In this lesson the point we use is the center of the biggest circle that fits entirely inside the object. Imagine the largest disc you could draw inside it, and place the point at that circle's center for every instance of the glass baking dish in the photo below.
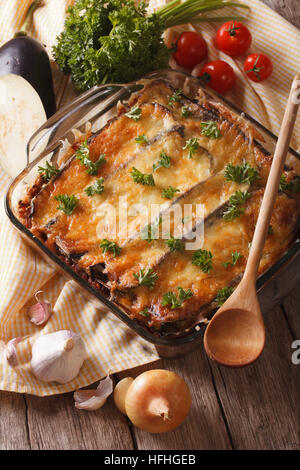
(92, 110)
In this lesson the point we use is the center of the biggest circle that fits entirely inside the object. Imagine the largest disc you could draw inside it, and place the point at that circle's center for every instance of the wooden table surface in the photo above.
(253, 408)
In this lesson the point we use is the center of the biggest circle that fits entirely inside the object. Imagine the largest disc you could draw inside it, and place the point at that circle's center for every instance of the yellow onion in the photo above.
(120, 393)
(157, 401)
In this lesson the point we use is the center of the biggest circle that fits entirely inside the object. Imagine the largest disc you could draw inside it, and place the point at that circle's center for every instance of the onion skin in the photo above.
(154, 391)
(120, 393)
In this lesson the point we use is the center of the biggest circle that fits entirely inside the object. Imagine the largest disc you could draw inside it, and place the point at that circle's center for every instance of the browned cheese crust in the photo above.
(200, 180)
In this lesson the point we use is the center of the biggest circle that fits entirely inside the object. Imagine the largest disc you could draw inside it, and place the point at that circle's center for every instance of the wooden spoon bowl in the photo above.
(237, 338)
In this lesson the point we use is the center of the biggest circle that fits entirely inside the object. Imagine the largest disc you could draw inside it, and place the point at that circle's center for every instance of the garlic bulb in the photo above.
(58, 357)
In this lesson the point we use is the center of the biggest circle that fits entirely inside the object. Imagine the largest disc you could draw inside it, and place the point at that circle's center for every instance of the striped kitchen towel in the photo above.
(111, 345)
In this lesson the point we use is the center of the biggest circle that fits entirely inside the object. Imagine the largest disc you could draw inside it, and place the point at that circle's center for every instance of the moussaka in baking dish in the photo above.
(123, 209)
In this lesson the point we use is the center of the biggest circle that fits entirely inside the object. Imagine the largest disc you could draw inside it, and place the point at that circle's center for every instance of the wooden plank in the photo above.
(291, 307)
(259, 402)
(289, 9)
(13, 423)
(204, 427)
(55, 424)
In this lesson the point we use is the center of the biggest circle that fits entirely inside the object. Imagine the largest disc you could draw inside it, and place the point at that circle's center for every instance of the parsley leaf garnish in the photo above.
(270, 230)
(176, 97)
(67, 203)
(93, 167)
(142, 178)
(185, 111)
(292, 186)
(170, 298)
(145, 312)
(234, 209)
(83, 151)
(203, 259)
(235, 256)
(96, 188)
(210, 129)
(175, 244)
(48, 172)
(83, 155)
(223, 295)
(232, 212)
(149, 233)
(135, 113)
(107, 245)
(169, 192)
(164, 161)
(146, 278)
(184, 294)
(141, 139)
(191, 145)
(241, 173)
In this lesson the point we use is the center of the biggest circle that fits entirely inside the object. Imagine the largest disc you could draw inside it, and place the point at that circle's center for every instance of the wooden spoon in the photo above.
(235, 336)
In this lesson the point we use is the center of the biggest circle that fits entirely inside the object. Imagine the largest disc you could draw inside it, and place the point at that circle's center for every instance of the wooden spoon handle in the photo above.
(271, 190)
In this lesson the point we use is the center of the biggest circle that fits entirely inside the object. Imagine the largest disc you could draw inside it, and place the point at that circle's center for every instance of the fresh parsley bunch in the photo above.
(116, 41)
(109, 41)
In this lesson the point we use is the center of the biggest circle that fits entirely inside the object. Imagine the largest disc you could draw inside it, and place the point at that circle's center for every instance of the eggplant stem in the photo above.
(28, 18)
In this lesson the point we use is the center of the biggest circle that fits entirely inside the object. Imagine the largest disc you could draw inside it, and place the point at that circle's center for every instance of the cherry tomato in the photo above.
(218, 75)
(233, 38)
(258, 67)
(191, 49)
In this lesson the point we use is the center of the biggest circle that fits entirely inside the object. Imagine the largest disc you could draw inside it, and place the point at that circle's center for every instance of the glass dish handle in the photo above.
(69, 117)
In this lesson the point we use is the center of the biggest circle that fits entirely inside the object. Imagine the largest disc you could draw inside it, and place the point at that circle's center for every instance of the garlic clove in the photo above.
(83, 395)
(39, 313)
(11, 352)
(105, 387)
(94, 399)
(92, 404)
(58, 357)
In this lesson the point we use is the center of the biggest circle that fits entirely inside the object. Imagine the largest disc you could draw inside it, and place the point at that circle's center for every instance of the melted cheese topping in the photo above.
(199, 180)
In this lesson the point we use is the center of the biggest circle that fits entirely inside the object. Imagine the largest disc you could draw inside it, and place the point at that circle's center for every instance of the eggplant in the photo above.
(21, 114)
(28, 58)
